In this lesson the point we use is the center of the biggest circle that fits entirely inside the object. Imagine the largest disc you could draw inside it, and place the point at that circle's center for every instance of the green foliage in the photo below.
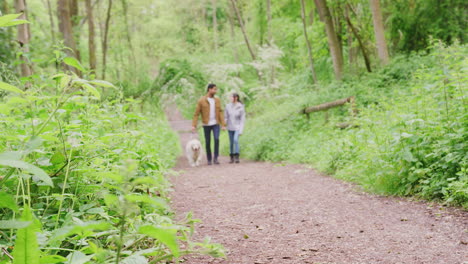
(411, 135)
(412, 25)
(94, 173)
(26, 247)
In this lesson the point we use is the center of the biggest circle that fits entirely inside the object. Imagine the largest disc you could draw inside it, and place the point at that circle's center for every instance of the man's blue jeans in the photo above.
(234, 142)
(207, 131)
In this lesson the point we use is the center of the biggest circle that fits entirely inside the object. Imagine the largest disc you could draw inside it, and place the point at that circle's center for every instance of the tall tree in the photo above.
(215, 24)
(91, 36)
(349, 36)
(333, 42)
(5, 7)
(365, 54)
(127, 28)
(65, 27)
(233, 37)
(51, 21)
(309, 48)
(105, 39)
(268, 11)
(244, 32)
(74, 16)
(24, 35)
(379, 31)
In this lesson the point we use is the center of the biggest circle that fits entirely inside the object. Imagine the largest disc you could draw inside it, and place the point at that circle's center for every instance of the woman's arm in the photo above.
(241, 129)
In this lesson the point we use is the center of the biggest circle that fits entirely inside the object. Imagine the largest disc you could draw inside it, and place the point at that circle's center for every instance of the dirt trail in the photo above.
(275, 213)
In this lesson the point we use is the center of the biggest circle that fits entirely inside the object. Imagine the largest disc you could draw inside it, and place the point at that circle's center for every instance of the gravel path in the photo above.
(274, 213)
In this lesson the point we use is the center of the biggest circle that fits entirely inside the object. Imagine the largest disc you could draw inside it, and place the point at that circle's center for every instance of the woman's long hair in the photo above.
(236, 95)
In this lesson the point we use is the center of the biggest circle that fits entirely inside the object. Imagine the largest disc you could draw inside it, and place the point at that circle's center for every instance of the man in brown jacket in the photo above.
(212, 114)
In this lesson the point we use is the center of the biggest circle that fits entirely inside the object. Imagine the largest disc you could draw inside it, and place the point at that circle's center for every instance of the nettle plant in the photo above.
(83, 180)
(89, 178)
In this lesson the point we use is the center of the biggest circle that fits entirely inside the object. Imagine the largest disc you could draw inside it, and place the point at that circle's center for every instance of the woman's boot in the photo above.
(232, 158)
(237, 158)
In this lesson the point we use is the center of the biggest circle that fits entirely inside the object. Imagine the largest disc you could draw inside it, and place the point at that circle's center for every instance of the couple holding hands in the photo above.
(213, 119)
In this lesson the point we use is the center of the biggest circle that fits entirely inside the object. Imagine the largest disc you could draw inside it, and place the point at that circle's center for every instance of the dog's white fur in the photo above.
(193, 151)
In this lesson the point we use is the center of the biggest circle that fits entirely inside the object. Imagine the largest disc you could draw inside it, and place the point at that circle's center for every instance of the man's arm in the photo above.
(221, 113)
(195, 116)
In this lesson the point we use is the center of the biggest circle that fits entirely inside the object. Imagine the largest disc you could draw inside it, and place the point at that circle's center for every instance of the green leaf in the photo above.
(160, 203)
(10, 160)
(7, 18)
(92, 90)
(74, 63)
(11, 20)
(102, 83)
(164, 235)
(26, 249)
(10, 88)
(53, 259)
(7, 201)
(78, 257)
(58, 158)
(14, 224)
(15, 23)
(135, 259)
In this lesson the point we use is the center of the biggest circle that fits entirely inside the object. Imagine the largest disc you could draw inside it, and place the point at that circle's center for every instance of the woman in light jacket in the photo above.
(235, 118)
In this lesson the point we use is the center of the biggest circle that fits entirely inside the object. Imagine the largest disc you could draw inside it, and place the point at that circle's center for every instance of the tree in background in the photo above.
(215, 24)
(413, 23)
(333, 42)
(309, 48)
(105, 39)
(91, 36)
(379, 31)
(66, 29)
(354, 30)
(24, 35)
(244, 32)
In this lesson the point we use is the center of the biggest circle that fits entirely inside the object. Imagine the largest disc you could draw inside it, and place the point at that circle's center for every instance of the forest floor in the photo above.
(283, 213)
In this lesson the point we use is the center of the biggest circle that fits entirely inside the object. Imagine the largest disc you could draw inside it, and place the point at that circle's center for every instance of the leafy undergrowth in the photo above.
(409, 138)
(83, 179)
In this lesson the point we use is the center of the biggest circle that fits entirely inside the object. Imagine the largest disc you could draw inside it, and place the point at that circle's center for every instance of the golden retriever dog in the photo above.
(193, 151)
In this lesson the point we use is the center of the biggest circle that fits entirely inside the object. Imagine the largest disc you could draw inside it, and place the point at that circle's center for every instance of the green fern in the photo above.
(26, 249)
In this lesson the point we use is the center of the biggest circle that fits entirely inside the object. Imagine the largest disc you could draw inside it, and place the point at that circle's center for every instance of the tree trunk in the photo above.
(74, 15)
(129, 38)
(379, 31)
(5, 8)
(241, 23)
(333, 42)
(104, 41)
(24, 35)
(215, 25)
(51, 21)
(65, 27)
(269, 33)
(91, 36)
(235, 52)
(309, 48)
(361, 44)
(326, 106)
(338, 26)
(349, 33)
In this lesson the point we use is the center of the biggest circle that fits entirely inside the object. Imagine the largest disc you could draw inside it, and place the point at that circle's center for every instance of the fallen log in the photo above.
(326, 106)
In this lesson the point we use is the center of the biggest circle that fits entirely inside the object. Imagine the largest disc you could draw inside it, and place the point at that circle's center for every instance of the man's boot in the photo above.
(215, 161)
(237, 158)
(232, 158)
